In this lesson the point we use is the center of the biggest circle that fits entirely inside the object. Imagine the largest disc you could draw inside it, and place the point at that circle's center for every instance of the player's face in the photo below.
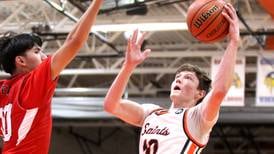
(184, 88)
(33, 57)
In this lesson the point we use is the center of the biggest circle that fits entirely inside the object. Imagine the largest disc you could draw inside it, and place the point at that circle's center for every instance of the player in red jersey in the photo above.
(184, 128)
(25, 98)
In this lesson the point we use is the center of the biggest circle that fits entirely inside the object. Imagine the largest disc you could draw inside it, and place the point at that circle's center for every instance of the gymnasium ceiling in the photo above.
(95, 67)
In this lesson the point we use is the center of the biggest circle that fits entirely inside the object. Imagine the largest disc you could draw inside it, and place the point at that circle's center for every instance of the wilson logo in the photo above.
(201, 19)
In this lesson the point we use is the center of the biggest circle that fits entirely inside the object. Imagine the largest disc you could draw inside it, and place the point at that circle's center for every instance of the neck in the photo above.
(19, 71)
(182, 104)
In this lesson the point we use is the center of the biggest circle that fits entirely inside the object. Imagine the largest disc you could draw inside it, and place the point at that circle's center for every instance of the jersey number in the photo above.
(150, 147)
(5, 115)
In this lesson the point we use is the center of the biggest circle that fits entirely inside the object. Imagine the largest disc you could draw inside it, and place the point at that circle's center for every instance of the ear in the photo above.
(200, 94)
(20, 60)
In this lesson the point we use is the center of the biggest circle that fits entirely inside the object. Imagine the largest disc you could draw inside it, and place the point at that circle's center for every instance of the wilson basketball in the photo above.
(205, 20)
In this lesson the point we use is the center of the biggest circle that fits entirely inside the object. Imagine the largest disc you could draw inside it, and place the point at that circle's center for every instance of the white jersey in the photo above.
(166, 132)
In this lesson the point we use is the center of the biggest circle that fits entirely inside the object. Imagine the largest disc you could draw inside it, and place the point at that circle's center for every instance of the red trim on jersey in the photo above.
(161, 112)
(159, 109)
(192, 149)
(188, 133)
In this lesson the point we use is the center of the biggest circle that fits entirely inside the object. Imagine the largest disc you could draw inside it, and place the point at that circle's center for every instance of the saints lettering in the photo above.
(155, 130)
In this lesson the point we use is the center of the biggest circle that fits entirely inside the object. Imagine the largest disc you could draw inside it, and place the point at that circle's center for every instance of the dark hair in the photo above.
(12, 45)
(204, 80)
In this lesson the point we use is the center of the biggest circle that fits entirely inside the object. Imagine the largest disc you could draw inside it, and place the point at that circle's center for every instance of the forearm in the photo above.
(224, 76)
(75, 40)
(221, 83)
(83, 25)
(82, 29)
(117, 89)
(225, 73)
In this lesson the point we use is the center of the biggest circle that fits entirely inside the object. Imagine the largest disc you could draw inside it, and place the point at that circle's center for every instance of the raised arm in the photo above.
(75, 40)
(127, 110)
(224, 76)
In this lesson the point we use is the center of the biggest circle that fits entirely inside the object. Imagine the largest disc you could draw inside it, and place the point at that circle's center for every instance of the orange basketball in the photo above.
(205, 20)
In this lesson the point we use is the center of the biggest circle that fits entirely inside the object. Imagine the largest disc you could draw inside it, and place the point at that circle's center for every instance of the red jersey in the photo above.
(25, 111)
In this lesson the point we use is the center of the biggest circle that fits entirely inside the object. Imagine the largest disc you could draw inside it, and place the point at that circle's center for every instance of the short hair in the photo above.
(204, 80)
(12, 45)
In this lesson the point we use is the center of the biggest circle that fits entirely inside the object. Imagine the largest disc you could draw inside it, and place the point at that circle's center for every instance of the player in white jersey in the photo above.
(185, 127)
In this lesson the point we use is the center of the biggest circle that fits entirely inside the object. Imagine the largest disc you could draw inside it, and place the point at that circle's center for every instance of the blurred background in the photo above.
(246, 122)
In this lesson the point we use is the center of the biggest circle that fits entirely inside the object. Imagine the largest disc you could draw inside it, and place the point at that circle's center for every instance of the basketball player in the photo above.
(25, 98)
(184, 128)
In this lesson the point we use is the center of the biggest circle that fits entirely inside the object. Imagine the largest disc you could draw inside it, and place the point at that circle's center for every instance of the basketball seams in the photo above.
(206, 22)
(207, 27)
(209, 23)
(218, 36)
(193, 17)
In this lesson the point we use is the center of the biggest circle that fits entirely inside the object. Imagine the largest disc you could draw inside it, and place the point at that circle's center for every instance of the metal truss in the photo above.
(98, 60)
(241, 139)
(225, 138)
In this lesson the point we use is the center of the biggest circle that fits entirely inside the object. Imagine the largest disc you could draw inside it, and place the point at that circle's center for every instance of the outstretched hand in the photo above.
(134, 55)
(231, 16)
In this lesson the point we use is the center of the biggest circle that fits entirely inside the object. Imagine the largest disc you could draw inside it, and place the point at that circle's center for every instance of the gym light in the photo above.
(141, 26)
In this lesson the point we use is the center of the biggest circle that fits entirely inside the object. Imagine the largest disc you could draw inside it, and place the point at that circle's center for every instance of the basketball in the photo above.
(206, 22)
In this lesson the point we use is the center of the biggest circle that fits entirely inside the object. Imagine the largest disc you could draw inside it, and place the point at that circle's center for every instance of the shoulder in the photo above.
(45, 63)
(150, 108)
(42, 69)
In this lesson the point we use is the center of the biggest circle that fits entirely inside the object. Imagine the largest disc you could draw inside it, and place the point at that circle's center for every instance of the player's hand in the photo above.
(134, 55)
(231, 16)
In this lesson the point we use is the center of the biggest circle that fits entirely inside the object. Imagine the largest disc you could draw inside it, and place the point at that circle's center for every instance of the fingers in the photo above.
(134, 42)
(141, 39)
(146, 53)
(129, 45)
(231, 16)
(137, 39)
(230, 11)
(135, 35)
(227, 17)
(230, 8)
